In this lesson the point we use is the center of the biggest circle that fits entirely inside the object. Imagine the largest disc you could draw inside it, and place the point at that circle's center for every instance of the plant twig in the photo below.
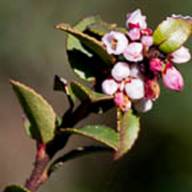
(38, 175)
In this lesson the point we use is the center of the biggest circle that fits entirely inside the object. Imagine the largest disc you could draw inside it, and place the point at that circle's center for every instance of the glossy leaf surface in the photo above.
(99, 133)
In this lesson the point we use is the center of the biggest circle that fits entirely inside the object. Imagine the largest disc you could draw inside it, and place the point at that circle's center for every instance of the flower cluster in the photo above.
(139, 66)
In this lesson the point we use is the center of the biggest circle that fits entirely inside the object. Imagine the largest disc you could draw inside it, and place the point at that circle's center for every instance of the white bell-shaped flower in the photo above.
(181, 55)
(136, 19)
(135, 89)
(134, 52)
(109, 86)
(115, 42)
(120, 71)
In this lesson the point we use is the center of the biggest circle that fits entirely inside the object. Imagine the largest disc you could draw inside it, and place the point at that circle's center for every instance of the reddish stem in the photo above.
(38, 175)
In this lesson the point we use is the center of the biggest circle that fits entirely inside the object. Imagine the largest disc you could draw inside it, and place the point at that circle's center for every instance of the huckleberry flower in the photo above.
(136, 19)
(172, 79)
(181, 55)
(141, 62)
(156, 65)
(109, 86)
(120, 71)
(115, 42)
(134, 52)
(134, 34)
(147, 41)
(143, 105)
(135, 89)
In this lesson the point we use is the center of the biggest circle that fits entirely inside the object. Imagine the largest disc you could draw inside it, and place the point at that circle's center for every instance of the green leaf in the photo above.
(100, 133)
(93, 44)
(79, 58)
(128, 128)
(85, 93)
(100, 28)
(172, 33)
(15, 188)
(40, 114)
(85, 53)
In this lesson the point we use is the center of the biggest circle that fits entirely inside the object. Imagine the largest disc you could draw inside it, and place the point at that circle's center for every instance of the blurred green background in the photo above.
(31, 51)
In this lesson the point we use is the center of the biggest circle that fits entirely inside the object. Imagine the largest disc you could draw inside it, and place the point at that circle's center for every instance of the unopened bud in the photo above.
(172, 79)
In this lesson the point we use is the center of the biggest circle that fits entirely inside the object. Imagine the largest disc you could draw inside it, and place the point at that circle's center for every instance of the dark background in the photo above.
(32, 51)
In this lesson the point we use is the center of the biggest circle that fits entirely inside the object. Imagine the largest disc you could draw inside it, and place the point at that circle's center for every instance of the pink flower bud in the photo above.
(120, 71)
(115, 42)
(122, 101)
(134, 34)
(172, 79)
(143, 105)
(147, 41)
(135, 89)
(134, 52)
(136, 18)
(181, 55)
(109, 86)
(156, 65)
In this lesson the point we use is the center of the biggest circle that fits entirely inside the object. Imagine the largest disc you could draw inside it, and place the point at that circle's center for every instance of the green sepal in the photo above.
(15, 188)
(39, 112)
(99, 133)
(172, 33)
(128, 128)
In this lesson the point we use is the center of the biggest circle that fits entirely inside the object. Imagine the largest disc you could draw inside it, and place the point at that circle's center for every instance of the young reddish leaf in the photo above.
(128, 129)
(100, 133)
(40, 114)
(15, 188)
(172, 33)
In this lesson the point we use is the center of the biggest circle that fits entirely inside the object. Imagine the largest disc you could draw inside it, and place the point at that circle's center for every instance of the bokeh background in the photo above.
(32, 51)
